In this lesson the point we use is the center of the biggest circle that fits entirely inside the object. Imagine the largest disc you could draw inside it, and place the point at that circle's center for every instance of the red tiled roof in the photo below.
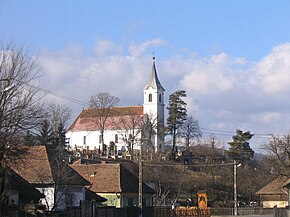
(110, 178)
(274, 187)
(33, 165)
(104, 177)
(85, 120)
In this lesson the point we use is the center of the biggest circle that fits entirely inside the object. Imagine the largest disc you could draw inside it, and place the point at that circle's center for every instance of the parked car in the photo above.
(253, 203)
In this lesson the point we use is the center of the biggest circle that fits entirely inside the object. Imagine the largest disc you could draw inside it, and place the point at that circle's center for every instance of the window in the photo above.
(116, 138)
(85, 138)
(150, 97)
(160, 98)
(100, 139)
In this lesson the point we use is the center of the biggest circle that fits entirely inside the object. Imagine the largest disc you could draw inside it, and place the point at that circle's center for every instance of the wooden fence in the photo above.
(280, 212)
(89, 210)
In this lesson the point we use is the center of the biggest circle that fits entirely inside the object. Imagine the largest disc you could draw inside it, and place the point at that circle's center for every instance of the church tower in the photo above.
(154, 107)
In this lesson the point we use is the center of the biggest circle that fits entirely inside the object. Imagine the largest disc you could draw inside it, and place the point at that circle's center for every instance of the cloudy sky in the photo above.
(232, 57)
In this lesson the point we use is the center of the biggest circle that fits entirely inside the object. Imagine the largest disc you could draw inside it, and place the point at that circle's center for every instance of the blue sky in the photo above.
(232, 57)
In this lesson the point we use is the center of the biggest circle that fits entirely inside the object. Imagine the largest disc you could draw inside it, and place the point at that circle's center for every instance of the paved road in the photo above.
(269, 215)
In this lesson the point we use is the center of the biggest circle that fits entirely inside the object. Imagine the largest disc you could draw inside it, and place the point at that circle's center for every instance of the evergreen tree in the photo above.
(240, 148)
(45, 133)
(176, 115)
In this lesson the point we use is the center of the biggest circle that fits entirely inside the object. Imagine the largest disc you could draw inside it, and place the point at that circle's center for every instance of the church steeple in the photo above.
(153, 80)
(153, 106)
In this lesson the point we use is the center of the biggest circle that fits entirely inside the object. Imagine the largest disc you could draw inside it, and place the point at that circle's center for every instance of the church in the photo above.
(125, 127)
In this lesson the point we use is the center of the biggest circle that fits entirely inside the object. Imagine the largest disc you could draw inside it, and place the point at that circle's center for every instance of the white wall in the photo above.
(48, 201)
(278, 204)
(92, 139)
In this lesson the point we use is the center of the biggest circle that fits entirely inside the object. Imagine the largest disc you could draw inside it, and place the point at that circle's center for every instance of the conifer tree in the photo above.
(176, 115)
(240, 148)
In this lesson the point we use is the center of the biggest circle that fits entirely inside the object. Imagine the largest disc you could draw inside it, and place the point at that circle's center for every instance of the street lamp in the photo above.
(235, 188)
(140, 195)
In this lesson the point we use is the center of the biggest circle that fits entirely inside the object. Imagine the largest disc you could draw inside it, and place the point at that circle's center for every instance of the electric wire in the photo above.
(204, 130)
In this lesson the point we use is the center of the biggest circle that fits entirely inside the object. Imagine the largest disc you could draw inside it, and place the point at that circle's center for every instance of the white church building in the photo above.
(124, 125)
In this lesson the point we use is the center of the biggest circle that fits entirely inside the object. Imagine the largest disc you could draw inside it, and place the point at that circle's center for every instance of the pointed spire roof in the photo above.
(153, 80)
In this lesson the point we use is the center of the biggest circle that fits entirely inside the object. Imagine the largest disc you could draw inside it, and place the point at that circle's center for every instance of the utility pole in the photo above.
(235, 189)
(140, 196)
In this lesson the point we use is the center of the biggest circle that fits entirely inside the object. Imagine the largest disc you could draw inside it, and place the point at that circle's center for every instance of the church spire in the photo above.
(153, 80)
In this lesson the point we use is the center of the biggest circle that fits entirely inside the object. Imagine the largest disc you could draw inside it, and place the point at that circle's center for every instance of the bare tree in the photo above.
(103, 104)
(190, 130)
(279, 150)
(20, 109)
(149, 130)
(129, 126)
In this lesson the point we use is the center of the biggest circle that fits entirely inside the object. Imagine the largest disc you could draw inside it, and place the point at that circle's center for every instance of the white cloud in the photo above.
(224, 92)
(267, 117)
(106, 47)
(273, 71)
(139, 49)
(208, 76)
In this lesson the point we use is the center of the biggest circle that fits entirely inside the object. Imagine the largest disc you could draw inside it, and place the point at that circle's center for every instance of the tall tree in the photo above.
(129, 126)
(190, 130)
(45, 136)
(103, 104)
(176, 114)
(20, 108)
(240, 147)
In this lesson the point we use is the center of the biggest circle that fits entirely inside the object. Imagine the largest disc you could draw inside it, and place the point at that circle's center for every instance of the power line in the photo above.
(203, 129)
(70, 99)
(229, 133)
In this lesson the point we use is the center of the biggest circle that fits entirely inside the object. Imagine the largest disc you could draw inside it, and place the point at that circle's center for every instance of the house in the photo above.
(84, 135)
(116, 183)
(62, 186)
(186, 157)
(20, 193)
(273, 194)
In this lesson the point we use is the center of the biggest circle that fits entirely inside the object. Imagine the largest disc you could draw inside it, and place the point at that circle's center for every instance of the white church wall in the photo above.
(90, 139)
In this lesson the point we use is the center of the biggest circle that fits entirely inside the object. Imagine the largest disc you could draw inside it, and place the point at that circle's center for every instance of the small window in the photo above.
(160, 98)
(150, 97)
(100, 139)
(116, 138)
(85, 138)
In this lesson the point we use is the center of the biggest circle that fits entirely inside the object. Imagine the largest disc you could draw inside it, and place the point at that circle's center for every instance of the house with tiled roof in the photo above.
(273, 194)
(61, 185)
(122, 125)
(114, 182)
(19, 194)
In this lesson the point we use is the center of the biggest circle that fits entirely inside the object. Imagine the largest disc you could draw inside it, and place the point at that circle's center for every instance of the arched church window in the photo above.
(116, 138)
(100, 139)
(160, 98)
(150, 97)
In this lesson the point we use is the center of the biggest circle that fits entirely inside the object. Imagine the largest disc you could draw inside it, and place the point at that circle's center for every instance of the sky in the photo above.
(231, 57)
